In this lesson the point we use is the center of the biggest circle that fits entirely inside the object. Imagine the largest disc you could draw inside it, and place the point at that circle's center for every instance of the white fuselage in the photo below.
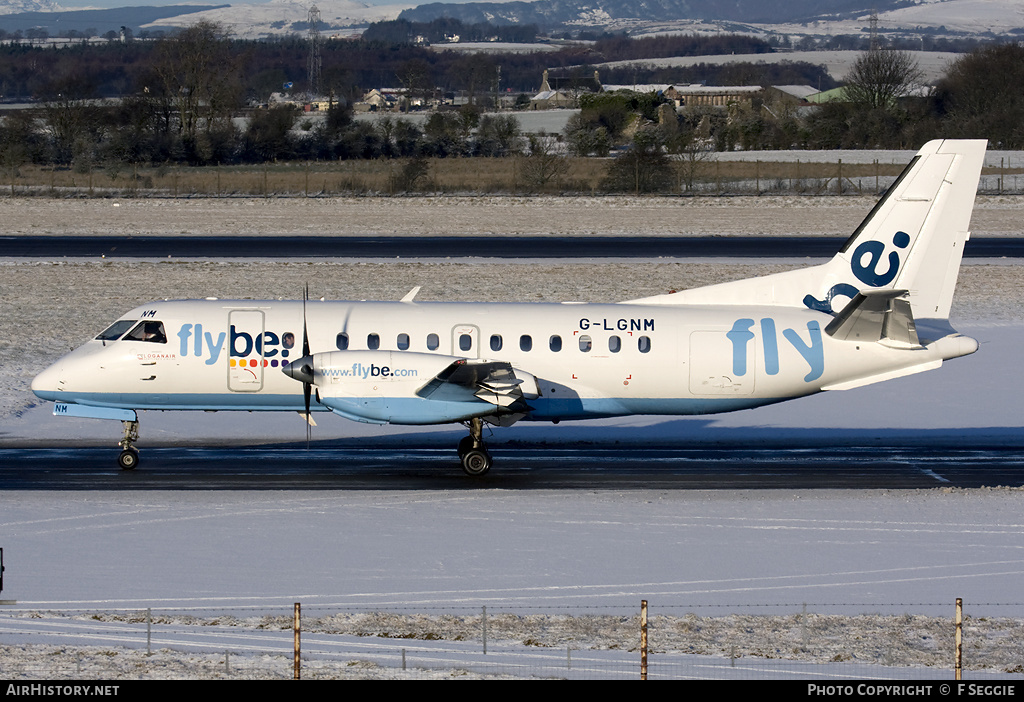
(579, 360)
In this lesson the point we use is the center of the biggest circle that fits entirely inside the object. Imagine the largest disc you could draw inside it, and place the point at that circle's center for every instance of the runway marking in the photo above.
(933, 474)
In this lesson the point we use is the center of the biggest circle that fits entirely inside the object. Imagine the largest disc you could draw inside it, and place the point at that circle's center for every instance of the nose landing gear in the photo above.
(476, 461)
(129, 458)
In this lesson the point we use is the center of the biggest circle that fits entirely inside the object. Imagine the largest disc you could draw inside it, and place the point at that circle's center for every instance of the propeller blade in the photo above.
(305, 395)
(307, 383)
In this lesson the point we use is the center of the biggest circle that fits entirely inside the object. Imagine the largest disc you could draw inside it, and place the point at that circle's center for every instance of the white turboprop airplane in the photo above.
(878, 310)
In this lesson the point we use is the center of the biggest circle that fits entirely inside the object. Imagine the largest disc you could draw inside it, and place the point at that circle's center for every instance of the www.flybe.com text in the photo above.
(358, 370)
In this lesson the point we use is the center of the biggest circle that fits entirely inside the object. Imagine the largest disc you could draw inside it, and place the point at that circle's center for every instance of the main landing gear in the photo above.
(129, 458)
(473, 453)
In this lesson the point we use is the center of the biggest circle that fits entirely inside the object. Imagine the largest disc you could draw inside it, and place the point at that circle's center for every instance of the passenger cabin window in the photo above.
(341, 341)
(115, 330)
(614, 344)
(644, 344)
(433, 342)
(555, 343)
(525, 342)
(465, 342)
(586, 343)
(403, 342)
(495, 342)
(373, 341)
(151, 331)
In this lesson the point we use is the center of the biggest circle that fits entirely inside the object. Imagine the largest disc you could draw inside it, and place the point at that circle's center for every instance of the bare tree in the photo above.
(71, 119)
(982, 98)
(417, 83)
(198, 76)
(544, 164)
(643, 168)
(690, 157)
(881, 76)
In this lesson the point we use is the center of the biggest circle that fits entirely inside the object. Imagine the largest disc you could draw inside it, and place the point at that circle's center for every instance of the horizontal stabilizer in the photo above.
(887, 375)
(876, 315)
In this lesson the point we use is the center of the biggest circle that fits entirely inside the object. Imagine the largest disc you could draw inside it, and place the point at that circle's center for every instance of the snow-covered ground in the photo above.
(933, 64)
(345, 17)
(727, 556)
(782, 215)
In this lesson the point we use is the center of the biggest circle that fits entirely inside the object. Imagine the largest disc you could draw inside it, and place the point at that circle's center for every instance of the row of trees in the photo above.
(188, 111)
(882, 105)
(350, 67)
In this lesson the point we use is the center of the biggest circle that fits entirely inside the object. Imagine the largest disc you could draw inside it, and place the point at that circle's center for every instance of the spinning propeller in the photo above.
(302, 368)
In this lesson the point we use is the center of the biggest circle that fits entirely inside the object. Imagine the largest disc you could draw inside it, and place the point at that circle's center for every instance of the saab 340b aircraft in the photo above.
(878, 310)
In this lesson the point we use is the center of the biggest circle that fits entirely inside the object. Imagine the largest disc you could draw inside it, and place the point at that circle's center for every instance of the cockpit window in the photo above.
(115, 330)
(151, 331)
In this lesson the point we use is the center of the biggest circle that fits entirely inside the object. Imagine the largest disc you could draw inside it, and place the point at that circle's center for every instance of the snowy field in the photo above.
(887, 556)
(933, 64)
(460, 216)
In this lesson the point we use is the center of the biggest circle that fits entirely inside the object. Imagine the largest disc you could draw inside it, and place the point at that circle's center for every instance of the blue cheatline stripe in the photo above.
(413, 411)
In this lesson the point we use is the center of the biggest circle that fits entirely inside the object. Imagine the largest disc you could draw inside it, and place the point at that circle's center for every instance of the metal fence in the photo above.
(813, 642)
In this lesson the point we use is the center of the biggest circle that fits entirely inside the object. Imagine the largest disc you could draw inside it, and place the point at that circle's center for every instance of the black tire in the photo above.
(128, 460)
(476, 462)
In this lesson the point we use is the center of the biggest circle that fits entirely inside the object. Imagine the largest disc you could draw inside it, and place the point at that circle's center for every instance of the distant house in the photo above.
(548, 99)
(696, 94)
(379, 100)
(834, 95)
(713, 95)
(788, 101)
(792, 94)
(551, 99)
(658, 88)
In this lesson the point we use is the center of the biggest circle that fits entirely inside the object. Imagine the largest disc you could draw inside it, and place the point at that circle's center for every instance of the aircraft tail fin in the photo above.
(911, 240)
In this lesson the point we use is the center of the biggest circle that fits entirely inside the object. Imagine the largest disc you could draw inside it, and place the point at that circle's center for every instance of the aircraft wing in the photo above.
(464, 380)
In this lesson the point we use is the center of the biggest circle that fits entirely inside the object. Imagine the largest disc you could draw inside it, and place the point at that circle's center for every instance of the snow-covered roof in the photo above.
(801, 92)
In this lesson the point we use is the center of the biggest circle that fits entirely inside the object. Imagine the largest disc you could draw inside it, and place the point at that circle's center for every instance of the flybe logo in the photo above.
(867, 256)
(870, 266)
(812, 350)
(195, 341)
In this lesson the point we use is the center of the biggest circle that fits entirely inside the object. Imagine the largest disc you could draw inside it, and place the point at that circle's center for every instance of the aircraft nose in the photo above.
(48, 384)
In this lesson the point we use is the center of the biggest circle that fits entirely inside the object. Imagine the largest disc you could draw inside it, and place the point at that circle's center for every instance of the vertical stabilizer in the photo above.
(911, 240)
(914, 238)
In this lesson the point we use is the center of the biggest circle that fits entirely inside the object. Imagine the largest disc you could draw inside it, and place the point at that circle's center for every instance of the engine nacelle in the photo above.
(404, 387)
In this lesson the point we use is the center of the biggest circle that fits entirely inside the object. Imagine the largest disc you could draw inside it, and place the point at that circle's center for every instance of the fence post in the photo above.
(296, 628)
(958, 668)
(484, 623)
(643, 639)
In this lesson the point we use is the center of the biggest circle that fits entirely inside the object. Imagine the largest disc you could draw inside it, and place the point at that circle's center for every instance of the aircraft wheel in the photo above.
(476, 462)
(128, 460)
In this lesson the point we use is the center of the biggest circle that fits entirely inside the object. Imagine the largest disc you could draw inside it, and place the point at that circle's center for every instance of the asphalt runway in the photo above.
(46, 247)
(379, 467)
